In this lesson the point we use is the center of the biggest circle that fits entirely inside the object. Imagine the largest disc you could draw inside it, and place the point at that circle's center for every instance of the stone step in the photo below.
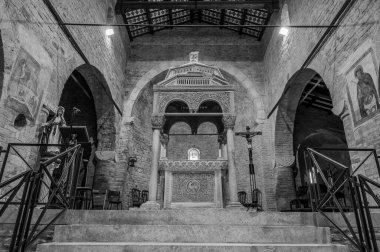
(186, 247)
(188, 216)
(193, 234)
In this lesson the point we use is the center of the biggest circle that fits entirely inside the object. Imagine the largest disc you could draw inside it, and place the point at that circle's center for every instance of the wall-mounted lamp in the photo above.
(284, 31)
(109, 32)
(110, 21)
(132, 161)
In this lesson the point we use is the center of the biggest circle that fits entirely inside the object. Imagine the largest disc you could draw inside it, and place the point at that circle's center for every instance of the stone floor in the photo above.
(190, 230)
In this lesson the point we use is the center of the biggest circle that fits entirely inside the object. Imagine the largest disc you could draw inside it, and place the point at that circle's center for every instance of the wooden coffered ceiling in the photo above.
(238, 13)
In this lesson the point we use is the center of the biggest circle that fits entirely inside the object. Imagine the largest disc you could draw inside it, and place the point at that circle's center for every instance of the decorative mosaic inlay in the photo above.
(194, 99)
(192, 165)
(193, 187)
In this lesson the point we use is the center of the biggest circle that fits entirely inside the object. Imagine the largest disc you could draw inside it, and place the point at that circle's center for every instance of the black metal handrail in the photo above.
(28, 184)
(358, 187)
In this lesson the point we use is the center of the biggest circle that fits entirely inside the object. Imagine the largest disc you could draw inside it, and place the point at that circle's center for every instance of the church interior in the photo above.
(190, 125)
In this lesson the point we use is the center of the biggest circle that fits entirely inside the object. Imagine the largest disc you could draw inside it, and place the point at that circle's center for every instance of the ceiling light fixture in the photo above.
(284, 31)
(110, 21)
(109, 32)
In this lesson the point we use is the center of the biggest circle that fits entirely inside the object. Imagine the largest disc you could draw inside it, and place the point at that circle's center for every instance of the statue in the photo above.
(52, 130)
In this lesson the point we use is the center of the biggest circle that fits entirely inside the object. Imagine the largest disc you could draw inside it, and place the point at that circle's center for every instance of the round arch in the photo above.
(217, 108)
(105, 111)
(179, 103)
(180, 127)
(286, 113)
(288, 129)
(160, 68)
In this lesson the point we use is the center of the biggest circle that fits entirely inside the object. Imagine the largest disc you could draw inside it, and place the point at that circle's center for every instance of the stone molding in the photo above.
(193, 165)
(194, 99)
(158, 121)
(229, 121)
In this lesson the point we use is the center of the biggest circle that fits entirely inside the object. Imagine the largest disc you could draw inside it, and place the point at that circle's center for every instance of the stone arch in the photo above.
(180, 127)
(208, 127)
(105, 111)
(1, 65)
(175, 100)
(286, 112)
(211, 100)
(160, 68)
(284, 135)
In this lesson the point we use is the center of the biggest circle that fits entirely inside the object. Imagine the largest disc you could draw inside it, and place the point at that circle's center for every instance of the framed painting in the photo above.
(363, 91)
(24, 92)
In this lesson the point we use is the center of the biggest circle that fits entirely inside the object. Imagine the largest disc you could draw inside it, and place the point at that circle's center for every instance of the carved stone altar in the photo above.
(190, 183)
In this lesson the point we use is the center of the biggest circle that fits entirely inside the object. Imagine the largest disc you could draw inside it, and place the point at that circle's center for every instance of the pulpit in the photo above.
(193, 183)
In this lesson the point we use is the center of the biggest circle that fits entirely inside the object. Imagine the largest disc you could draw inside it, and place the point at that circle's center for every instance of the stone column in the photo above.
(164, 146)
(157, 123)
(229, 123)
(222, 140)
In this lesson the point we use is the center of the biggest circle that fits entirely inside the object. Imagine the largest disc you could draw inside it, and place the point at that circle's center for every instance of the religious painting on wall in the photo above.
(363, 88)
(24, 93)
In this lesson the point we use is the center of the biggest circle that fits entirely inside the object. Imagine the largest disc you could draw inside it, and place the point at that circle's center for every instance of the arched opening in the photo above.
(86, 89)
(76, 93)
(209, 107)
(177, 107)
(304, 119)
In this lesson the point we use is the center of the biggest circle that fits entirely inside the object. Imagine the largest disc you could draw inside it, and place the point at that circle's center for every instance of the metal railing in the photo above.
(348, 181)
(38, 187)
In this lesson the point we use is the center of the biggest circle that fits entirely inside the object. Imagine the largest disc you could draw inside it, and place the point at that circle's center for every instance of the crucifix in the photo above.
(248, 135)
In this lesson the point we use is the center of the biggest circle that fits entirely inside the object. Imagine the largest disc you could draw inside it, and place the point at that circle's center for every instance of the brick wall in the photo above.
(179, 144)
(45, 42)
(285, 55)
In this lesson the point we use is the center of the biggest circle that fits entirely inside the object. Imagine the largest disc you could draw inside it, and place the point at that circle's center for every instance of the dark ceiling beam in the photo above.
(149, 19)
(263, 28)
(76, 47)
(123, 5)
(128, 28)
(242, 20)
(222, 17)
(322, 98)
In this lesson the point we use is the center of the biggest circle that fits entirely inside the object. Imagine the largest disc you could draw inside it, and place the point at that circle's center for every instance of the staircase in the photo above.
(189, 230)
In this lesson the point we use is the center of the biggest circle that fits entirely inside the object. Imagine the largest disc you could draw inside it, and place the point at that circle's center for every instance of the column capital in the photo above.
(229, 121)
(158, 121)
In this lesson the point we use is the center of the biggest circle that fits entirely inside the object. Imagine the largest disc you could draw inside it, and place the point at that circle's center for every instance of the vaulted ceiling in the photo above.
(229, 14)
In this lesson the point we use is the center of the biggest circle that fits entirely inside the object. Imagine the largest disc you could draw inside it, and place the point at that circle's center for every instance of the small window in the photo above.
(20, 121)
(193, 154)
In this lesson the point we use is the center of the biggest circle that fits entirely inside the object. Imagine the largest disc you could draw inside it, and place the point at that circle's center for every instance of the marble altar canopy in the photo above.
(192, 183)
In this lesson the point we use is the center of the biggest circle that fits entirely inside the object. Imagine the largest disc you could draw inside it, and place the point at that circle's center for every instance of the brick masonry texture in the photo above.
(260, 71)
